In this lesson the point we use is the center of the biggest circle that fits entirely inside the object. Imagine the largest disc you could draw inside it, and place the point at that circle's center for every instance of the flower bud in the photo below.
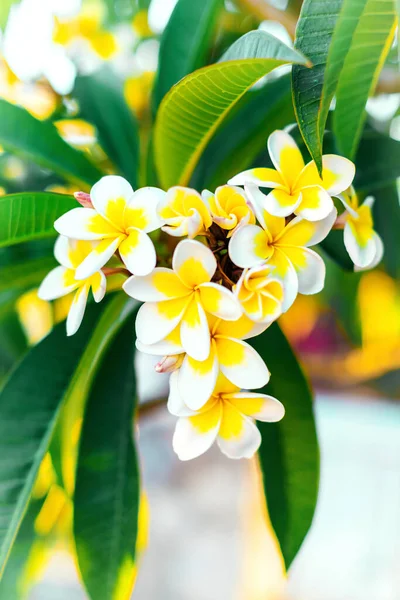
(169, 363)
(84, 199)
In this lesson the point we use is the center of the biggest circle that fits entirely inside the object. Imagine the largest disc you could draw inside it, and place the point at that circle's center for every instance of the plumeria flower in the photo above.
(184, 213)
(182, 296)
(62, 280)
(229, 207)
(227, 417)
(284, 246)
(121, 219)
(363, 244)
(260, 294)
(296, 187)
(236, 359)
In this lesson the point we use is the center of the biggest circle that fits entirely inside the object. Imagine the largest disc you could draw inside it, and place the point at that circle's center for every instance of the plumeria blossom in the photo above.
(229, 354)
(182, 296)
(62, 280)
(363, 244)
(121, 219)
(227, 417)
(284, 246)
(229, 207)
(297, 188)
(260, 294)
(184, 213)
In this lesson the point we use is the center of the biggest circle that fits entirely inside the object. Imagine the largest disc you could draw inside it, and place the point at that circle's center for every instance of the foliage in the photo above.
(205, 118)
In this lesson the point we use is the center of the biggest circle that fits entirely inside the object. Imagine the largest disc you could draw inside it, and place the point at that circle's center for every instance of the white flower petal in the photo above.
(59, 282)
(241, 364)
(287, 274)
(195, 435)
(238, 436)
(361, 255)
(338, 172)
(195, 333)
(258, 406)
(160, 284)
(285, 155)
(176, 405)
(310, 269)
(220, 301)
(316, 204)
(379, 250)
(143, 206)
(155, 320)
(109, 197)
(193, 262)
(300, 232)
(61, 252)
(84, 224)
(99, 285)
(97, 258)
(77, 309)
(248, 246)
(138, 253)
(196, 380)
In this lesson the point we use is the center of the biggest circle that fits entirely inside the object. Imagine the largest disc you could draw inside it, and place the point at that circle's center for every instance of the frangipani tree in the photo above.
(192, 242)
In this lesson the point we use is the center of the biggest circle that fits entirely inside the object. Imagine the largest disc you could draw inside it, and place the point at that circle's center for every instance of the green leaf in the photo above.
(102, 102)
(185, 43)
(370, 45)
(13, 578)
(243, 136)
(377, 161)
(31, 400)
(324, 34)
(30, 216)
(38, 141)
(106, 499)
(386, 213)
(22, 276)
(191, 112)
(288, 455)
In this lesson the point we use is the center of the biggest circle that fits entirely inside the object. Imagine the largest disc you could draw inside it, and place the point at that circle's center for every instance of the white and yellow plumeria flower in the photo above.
(229, 207)
(62, 280)
(184, 213)
(363, 244)
(121, 219)
(227, 417)
(296, 187)
(236, 359)
(260, 293)
(284, 247)
(182, 296)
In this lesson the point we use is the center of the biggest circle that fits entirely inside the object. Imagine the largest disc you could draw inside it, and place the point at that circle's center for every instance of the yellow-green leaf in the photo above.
(192, 111)
(369, 48)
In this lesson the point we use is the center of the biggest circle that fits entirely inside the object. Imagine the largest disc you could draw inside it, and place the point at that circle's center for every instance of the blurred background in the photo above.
(203, 533)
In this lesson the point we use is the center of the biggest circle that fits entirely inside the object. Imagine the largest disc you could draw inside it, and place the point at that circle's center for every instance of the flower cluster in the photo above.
(244, 257)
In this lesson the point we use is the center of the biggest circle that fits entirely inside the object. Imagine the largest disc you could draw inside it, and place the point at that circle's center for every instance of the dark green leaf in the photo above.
(106, 499)
(102, 102)
(377, 161)
(185, 43)
(31, 400)
(386, 212)
(38, 141)
(22, 276)
(289, 455)
(30, 216)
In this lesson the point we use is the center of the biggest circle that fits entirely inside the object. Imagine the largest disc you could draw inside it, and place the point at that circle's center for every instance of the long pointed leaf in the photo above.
(289, 455)
(192, 111)
(39, 141)
(102, 103)
(30, 216)
(185, 43)
(106, 499)
(370, 45)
